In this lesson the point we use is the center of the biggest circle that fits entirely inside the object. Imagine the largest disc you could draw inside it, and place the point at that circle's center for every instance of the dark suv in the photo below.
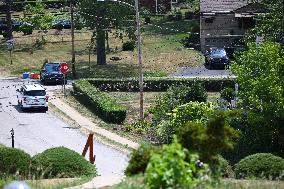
(50, 73)
(216, 57)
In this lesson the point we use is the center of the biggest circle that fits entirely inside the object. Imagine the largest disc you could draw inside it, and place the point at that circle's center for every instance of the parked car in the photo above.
(32, 96)
(216, 57)
(51, 74)
(16, 26)
(62, 24)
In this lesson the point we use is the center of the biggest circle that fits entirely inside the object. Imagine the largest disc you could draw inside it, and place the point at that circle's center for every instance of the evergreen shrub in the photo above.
(260, 165)
(13, 160)
(139, 159)
(62, 162)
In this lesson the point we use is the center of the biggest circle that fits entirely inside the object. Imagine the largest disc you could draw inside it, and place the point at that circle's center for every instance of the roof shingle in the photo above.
(222, 5)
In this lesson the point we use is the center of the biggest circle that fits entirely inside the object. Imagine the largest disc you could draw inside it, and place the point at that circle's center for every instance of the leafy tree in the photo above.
(260, 72)
(107, 15)
(40, 18)
(268, 24)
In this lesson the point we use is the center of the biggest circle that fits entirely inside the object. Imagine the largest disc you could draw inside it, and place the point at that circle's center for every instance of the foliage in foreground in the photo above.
(14, 161)
(62, 162)
(261, 165)
(173, 167)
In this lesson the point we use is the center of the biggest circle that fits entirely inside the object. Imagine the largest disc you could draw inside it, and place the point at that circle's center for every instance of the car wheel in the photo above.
(45, 109)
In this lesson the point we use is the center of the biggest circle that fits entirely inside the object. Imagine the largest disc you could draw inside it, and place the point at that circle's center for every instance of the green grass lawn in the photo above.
(161, 53)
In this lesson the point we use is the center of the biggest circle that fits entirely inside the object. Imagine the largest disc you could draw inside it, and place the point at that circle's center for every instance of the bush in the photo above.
(176, 96)
(256, 136)
(228, 94)
(159, 84)
(13, 160)
(224, 167)
(128, 46)
(27, 29)
(139, 159)
(260, 165)
(208, 138)
(172, 167)
(62, 162)
(105, 107)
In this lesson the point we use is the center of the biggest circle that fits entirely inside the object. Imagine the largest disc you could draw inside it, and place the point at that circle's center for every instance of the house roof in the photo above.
(221, 5)
(252, 8)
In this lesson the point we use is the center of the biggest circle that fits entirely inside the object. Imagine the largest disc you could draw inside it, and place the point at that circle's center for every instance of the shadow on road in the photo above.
(29, 110)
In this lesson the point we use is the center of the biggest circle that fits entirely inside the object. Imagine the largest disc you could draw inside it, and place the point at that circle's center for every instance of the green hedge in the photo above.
(159, 84)
(62, 162)
(13, 160)
(261, 165)
(105, 107)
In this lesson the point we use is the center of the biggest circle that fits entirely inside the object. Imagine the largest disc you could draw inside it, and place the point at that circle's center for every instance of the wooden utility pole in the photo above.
(72, 39)
(141, 112)
(9, 19)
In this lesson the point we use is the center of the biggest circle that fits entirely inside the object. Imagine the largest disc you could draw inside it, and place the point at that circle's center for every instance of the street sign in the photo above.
(10, 44)
(64, 67)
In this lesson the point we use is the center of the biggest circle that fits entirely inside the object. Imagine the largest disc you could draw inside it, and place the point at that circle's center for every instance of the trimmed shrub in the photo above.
(62, 162)
(160, 84)
(128, 46)
(13, 160)
(228, 94)
(105, 107)
(261, 165)
(139, 159)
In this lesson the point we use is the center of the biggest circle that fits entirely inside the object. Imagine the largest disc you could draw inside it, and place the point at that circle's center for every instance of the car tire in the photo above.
(45, 109)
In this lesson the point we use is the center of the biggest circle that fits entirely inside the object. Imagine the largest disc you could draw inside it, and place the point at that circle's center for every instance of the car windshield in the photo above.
(35, 93)
(52, 67)
(220, 52)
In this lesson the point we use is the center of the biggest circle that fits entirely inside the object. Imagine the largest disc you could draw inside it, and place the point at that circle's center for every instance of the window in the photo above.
(35, 93)
(209, 20)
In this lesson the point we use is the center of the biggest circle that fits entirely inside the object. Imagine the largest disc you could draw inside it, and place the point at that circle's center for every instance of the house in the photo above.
(224, 22)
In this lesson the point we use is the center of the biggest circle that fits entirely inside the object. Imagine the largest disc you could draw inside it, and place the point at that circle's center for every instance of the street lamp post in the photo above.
(136, 7)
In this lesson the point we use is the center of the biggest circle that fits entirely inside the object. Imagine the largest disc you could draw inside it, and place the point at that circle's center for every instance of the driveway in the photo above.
(202, 72)
(36, 131)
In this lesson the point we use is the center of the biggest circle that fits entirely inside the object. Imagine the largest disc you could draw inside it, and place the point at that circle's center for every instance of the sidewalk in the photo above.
(85, 123)
(99, 182)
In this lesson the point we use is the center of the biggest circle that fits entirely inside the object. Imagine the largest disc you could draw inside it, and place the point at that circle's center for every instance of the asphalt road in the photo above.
(202, 72)
(36, 131)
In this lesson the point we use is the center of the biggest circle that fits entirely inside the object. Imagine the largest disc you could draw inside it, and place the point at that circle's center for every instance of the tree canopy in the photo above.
(103, 16)
(260, 72)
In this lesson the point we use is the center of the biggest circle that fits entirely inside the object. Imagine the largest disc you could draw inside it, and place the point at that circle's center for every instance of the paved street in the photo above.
(36, 131)
(201, 72)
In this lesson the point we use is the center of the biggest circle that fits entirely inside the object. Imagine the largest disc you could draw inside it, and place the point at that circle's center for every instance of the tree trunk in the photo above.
(8, 19)
(101, 48)
(107, 41)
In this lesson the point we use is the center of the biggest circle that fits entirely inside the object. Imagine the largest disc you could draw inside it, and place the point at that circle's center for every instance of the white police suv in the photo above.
(32, 96)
